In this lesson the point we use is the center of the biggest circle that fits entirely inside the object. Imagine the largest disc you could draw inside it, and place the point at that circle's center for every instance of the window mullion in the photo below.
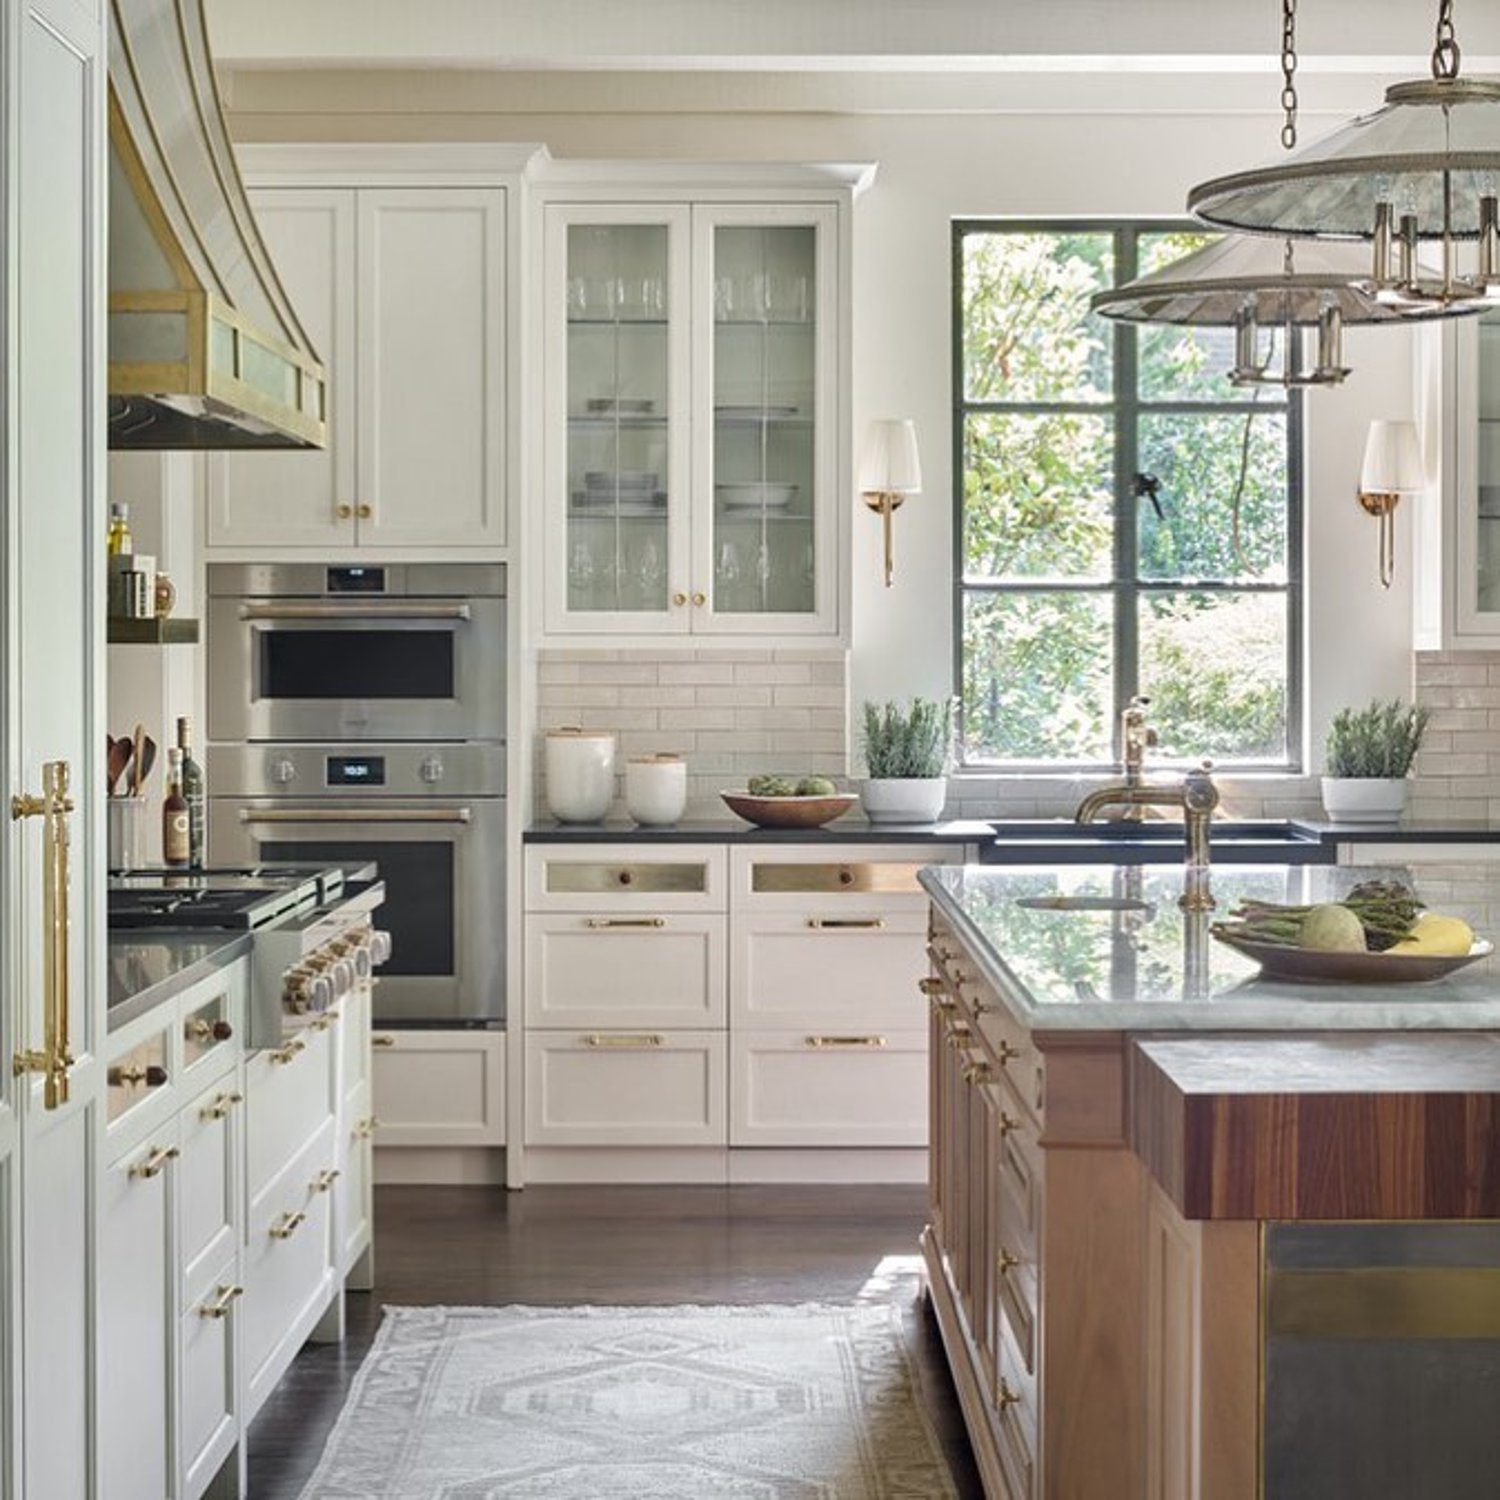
(1127, 445)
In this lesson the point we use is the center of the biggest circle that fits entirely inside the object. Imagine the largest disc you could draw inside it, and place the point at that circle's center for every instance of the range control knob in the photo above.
(380, 947)
(432, 769)
(307, 991)
(283, 771)
(341, 977)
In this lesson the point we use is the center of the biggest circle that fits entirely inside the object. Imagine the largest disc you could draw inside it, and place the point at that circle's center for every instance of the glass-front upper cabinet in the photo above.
(767, 350)
(691, 449)
(617, 371)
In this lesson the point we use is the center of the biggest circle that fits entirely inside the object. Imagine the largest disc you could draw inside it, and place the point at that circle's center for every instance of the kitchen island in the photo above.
(1194, 1234)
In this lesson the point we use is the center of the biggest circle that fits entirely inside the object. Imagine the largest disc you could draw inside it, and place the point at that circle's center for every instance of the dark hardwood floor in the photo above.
(617, 1246)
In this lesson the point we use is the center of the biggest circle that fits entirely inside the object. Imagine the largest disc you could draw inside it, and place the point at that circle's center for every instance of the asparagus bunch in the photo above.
(1386, 909)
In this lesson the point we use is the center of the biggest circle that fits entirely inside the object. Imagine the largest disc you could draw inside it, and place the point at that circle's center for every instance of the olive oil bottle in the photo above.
(195, 794)
(175, 846)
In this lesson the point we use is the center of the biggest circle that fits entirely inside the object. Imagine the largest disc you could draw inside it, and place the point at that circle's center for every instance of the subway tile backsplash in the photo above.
(1458, 770)
(732, 713)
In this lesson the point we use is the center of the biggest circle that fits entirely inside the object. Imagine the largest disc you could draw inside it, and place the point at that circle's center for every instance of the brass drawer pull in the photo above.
(220, 1306)
(977, 1072)
(1008, 1124)
(221, 1106)
(382, 1039)
(153, 1076)
(958, 1038)
(599, 923)
(846, 924)
(638, 1041)
(324, 1181)
(1006, 1263)
(1006, 1397)
(846, 1041)
(201, 1029)
(155, 1164)
(366, 1128)
(324, 1022)
(287, 1225)
(291, 1050)
(1007, 1052)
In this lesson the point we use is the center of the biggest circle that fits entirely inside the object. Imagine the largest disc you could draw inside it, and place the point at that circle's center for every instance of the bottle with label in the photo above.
(175, 836)
(195, 794)
(119, 542)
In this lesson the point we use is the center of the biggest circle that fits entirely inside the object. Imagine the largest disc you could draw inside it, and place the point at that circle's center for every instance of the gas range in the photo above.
(237, 898)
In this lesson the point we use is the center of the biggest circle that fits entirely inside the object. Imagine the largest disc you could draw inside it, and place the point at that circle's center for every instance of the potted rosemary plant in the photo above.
(906, 753)
(1367, 758)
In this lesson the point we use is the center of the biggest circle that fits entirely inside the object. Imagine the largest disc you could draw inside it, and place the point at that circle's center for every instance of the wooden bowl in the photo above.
(1308, 966)
(788, 812)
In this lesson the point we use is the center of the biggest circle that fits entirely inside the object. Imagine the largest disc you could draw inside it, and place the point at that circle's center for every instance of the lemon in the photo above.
(1436, 936)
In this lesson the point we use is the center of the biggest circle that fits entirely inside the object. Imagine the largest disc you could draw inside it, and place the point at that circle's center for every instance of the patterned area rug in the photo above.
(601, 1403)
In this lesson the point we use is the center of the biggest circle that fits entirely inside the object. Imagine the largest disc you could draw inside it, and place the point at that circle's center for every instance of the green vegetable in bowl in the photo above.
(816, 786)
(1332, 928)
(1386, 911)
(772, 786)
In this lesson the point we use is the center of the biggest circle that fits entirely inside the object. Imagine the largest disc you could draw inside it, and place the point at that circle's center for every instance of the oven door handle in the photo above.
(394, 609)
(356, 814)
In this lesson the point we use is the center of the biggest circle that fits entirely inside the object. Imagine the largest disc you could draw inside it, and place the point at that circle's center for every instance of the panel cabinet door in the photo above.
(431, 367)
(136, 1322)
(765, 375)
(616, 371)
(300, 497)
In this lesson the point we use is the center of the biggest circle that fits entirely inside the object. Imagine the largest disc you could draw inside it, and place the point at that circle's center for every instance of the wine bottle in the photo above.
(195, 794)
(175, 845)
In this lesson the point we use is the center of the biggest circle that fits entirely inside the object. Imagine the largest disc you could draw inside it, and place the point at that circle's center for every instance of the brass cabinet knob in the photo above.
(344, 511)
(930, 986)
(958, 1038)
(382, 1039)
(700, 598)
(1005, 1396)
(977, 1072)
(1008, 1124)
(1006, 1263)
(364, 512)
(679, 599)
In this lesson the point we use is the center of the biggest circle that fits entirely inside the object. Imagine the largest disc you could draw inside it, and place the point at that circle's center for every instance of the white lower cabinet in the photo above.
(353, 1205)
(811, 1088)
(439, 1088)
(617, 1088)
(290, 1092)
(136, 1321)
(208, 1179)
(208, 1422)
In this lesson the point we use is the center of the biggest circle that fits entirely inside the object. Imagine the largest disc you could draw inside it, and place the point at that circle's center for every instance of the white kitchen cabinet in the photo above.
(696, 428)
(626, 879)
(208, 1421)
(625, 970)
(403, 291)
(208, 1187)
(620, 1088)
(137, 1321)
(438, 1088)
(290, 1094)
(828, 1088)
(354, 1209)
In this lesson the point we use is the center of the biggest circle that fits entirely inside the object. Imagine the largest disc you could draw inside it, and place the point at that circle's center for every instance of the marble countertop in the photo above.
(1159, 970)
(150, 966)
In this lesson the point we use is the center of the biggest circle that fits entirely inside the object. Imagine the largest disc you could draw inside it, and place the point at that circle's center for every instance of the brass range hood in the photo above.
(205, 350)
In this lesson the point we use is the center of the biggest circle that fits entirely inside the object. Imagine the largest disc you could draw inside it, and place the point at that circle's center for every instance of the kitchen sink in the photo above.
(1234, 840)
(1082, 903)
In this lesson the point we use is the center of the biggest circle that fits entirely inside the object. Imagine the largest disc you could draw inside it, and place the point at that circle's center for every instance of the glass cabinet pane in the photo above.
(1488, 561)
(764, 399)
(618, 401)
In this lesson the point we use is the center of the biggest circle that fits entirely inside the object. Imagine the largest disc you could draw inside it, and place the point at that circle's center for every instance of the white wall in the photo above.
(934, 168)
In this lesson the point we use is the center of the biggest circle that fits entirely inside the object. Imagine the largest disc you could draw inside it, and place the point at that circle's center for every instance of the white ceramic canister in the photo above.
(580, 774)
(655, 789)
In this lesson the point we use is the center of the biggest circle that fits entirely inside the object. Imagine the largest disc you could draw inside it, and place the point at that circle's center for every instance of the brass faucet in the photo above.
(1136, 737)
(1198, 798)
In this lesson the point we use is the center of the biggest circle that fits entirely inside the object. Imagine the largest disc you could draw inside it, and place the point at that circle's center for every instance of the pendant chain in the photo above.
(1289, 72)
(1445, 49)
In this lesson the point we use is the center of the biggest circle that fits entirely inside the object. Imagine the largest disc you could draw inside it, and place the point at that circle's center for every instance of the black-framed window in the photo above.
(1127, 521)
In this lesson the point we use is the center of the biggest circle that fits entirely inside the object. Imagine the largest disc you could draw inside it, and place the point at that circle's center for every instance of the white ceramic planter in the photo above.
(911, 800)
(656, 789)
(1370, 799)
(580, 773)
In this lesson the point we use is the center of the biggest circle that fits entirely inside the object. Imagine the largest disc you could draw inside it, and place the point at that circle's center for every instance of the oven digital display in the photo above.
(356, 770)
(356, 580)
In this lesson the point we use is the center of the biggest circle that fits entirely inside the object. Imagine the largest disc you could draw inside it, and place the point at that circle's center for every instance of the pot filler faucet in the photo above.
(1195, 794)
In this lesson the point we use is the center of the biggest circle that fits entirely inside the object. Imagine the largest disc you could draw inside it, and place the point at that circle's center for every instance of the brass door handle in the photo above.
(54, 1057)
(846, 1041)
(221, 1106)
(324, 1181)
(287, 1225)
(155, 1163)
(603, 922)
(382, 1039)
(846, 924)
(224, 1299)
(287, 1053)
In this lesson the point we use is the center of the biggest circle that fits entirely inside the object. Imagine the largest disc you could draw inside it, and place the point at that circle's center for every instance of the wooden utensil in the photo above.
(145, 759)
(117, 758)
(135, 760)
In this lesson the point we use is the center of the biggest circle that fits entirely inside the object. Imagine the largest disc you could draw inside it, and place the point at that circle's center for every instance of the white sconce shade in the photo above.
(1393, 460)
(888, 463)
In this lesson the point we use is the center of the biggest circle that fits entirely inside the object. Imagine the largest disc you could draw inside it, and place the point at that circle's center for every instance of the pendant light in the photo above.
(1422, 170)
(1250, 283)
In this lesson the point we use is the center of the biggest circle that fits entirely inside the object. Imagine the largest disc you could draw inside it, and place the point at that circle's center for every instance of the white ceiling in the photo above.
(1360, 37)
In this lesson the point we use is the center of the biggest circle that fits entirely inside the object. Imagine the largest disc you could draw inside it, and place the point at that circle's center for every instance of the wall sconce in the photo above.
(889, 471)
(1392, 468)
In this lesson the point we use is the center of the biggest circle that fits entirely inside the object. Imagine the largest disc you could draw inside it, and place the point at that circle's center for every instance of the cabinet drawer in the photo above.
(208, 1421)
(1016, 1287)
(136, 1076)
(287, 1259)
(209, 1029)
(806, 1088)
(439, 1088)
(1020, 1173)
(1016, 1423)
(885, 874)
(208, 1220)
(352, 1204)
(621, 878)
(354, 1040)
(288, 1097)
(617, 1088)
(828, 967)
(625, 970)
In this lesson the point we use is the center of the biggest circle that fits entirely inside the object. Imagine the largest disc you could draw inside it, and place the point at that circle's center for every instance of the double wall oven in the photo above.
(358, 713)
